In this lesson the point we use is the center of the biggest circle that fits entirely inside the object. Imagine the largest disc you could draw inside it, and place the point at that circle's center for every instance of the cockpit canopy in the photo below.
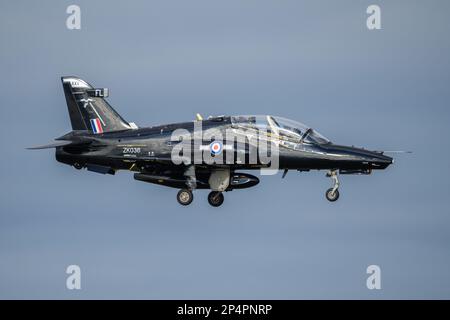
(282, 128)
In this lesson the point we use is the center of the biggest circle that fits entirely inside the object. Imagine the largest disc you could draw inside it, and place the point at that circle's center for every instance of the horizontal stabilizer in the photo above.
(55, 144)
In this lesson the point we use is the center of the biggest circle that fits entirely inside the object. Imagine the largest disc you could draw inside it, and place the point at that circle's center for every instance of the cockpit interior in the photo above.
(287, 132)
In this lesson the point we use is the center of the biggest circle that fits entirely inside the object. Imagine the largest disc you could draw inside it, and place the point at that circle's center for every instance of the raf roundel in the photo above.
(215, 147)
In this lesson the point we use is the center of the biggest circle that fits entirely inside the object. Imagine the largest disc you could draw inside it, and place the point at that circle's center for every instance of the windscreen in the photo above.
(282, 128)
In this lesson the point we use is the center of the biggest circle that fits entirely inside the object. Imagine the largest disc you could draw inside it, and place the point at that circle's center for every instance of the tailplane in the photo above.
(88, 110)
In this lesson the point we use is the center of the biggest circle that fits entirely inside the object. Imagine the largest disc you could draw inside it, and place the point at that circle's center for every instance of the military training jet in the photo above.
(180, 156)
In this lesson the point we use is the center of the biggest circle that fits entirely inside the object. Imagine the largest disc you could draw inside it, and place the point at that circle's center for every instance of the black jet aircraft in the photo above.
(102, 141)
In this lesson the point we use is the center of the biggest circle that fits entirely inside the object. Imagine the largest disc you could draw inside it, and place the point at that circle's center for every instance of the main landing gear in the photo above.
(77, 166)
(185, 197)
(215, 198)
(332, 194)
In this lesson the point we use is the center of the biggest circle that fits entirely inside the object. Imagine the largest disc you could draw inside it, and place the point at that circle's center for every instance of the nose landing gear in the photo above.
(332, 194)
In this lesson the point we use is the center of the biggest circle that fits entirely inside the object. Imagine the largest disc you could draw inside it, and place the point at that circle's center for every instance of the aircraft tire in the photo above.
(77, 166)
(332, 196)
(215, 198)
(185, 197)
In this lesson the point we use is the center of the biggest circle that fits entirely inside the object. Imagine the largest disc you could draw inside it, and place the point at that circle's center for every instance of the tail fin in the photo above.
(88, 110)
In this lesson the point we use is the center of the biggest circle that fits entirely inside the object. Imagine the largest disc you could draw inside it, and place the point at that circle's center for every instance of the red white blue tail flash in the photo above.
(96, 125)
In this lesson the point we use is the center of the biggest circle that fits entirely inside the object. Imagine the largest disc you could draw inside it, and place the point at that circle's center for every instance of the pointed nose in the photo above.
(359, 158)
(380, 161)
(374, 159)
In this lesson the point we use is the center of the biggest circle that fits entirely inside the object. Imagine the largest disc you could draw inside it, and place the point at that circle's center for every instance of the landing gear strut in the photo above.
(185, 197)
(332, 194)
(215, 198)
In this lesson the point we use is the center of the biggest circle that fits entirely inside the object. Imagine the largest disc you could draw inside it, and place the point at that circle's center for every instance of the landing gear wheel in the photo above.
(332, 195)
(215, 198)
(185, 197)
(77, 166)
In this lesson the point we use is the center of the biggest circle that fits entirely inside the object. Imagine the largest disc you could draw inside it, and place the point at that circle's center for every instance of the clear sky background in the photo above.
(163, 61)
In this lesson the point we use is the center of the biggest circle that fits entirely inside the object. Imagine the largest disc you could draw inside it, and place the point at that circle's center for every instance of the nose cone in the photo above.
(358, 158)
(373, 159)
(380, 161)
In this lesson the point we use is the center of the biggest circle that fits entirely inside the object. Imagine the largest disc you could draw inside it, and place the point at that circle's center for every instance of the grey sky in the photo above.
(164, 61)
